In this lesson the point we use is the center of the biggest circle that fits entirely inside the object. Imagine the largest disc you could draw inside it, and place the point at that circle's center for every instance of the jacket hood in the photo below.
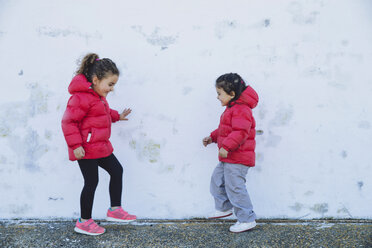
(248, 97)
(79, 84)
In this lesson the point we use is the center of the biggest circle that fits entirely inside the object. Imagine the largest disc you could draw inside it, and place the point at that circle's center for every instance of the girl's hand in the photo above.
(79, 152)
(222, 153)
(207, 140)
(124, 114)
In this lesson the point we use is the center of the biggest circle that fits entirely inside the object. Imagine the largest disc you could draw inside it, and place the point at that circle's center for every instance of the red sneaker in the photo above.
(119, 215)
(88, 227)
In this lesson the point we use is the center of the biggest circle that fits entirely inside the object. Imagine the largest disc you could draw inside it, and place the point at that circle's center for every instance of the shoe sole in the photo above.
(78, 230)
(243, 230)
(219, 217)
(119, 220)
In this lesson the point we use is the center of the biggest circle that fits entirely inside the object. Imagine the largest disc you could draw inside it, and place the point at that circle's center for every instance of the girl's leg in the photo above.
(89, 169)
(237, 192)
(115, 170)
(217, 189)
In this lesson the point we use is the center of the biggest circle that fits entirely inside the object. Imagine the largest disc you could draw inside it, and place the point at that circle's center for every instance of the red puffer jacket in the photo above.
(87, 121)
(236, 132)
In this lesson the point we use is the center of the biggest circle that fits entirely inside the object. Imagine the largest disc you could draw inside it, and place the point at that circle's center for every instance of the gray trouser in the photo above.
(229, 190)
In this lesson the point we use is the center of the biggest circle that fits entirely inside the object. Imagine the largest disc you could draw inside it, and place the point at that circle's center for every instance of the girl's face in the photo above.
(224, 97)
(105, 85)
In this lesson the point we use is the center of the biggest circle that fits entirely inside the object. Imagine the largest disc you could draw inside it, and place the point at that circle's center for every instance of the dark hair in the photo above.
(92, 65)
(230, 82)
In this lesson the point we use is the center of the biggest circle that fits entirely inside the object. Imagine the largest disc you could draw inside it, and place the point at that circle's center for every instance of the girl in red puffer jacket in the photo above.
(86, 125)
(235, 137)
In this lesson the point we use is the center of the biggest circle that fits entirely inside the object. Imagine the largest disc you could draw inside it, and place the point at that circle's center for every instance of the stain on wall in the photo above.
(54, 32)
(272, 140)
(320, 208)
(146, 148)
(344, 154)
(224, 27)
(297, 207)
(156, 37)
(305, 13)
(38, 101)
(283, 116)
(344, 210)
(21, 137)
(360, 185)
(364, 124)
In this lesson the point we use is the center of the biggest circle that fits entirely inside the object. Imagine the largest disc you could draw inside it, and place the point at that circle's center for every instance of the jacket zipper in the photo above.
(108, 113)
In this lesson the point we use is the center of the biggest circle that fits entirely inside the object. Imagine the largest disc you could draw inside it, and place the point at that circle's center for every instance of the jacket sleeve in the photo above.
(115, 116)
(214, 135)
(241, 123)
(76, 110)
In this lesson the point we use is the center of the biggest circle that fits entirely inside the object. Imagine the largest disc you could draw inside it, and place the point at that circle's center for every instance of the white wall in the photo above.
(310, 62)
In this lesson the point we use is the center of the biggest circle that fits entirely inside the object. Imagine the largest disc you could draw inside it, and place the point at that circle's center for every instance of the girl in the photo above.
(86, 125)
(235, 137)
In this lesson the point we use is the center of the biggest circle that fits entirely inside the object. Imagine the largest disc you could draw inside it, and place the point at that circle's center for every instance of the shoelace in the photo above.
(94, 227)
(122, 213)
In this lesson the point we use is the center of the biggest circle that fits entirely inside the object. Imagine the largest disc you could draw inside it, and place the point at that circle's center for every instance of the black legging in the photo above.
(89, 168)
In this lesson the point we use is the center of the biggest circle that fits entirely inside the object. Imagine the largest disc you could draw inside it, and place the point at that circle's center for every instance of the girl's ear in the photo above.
(95, 80)
(232, 94)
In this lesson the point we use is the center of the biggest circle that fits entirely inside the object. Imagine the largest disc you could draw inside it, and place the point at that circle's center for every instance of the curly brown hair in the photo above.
(91, 65)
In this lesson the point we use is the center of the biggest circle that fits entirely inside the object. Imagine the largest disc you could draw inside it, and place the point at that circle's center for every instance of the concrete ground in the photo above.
(189, 233)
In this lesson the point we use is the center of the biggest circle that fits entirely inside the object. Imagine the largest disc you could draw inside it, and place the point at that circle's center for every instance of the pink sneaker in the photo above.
(119, 215)
(88, 227)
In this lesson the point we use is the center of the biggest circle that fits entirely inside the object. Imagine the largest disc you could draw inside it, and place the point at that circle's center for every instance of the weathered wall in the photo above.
(310, 62)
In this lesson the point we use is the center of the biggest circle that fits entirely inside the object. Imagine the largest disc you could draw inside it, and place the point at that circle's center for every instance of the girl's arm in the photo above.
(241, 123)
(211, 138)
(214, 135)
(114, 115)
(75, 112)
